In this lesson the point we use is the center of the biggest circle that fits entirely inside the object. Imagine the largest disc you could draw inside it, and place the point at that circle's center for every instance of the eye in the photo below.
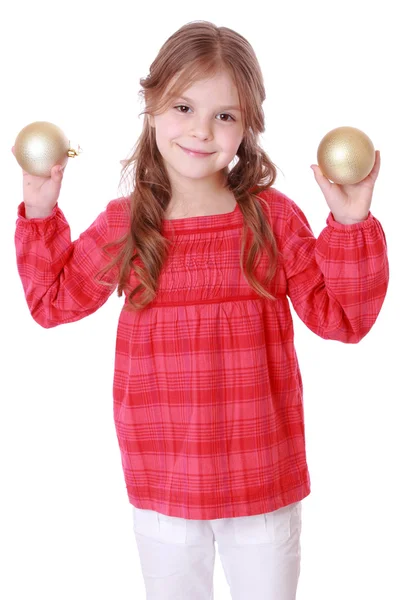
(229, 117)
(182, 106)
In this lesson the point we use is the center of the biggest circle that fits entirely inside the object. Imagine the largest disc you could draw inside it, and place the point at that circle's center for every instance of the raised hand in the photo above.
(40, 194)
(349, 203)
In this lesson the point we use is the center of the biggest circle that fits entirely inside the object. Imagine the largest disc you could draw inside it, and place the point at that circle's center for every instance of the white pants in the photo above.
(260, 555)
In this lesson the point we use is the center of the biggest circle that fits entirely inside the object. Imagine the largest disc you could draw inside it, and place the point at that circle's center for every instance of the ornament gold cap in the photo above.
(73, 153)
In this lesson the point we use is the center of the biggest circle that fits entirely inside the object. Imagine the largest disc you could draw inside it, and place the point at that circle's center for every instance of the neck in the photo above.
(197, 197)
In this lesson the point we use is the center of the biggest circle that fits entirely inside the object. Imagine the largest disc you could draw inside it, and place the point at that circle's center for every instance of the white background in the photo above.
(65, 521)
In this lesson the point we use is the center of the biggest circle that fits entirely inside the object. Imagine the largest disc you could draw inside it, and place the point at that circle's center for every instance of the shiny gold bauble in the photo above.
(40, 146)
(346, 155)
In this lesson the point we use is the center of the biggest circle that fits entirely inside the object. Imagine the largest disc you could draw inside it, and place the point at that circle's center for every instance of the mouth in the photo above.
(193, 152)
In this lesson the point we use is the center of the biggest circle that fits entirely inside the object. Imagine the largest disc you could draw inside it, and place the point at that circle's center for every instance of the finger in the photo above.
(376, 168)
(57, 173)
(320, 178)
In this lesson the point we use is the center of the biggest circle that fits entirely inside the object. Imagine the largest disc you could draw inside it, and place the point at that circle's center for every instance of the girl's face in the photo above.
(198, 135)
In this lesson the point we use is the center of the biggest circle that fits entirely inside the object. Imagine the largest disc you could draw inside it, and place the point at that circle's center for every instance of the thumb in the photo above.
(320, 178)
(57, 173)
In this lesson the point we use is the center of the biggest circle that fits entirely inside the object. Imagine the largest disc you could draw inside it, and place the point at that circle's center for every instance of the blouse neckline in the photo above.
(204, 222)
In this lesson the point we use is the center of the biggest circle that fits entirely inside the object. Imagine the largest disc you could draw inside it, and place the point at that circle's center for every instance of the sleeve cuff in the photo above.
(353, 227)
(22, 217)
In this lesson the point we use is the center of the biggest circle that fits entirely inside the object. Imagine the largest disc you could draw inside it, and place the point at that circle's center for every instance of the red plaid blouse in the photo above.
(207, 390)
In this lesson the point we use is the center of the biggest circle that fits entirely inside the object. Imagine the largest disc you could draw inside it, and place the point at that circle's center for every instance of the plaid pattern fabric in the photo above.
(207, 390)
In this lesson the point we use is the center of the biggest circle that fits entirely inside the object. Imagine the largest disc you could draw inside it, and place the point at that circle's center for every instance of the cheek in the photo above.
(167, 128)
(232, 141)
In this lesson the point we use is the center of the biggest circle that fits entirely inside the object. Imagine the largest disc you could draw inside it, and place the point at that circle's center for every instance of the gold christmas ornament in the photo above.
(40, 146)
(346, 155)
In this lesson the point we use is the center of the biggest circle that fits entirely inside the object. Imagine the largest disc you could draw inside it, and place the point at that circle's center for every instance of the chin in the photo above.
(192, 173)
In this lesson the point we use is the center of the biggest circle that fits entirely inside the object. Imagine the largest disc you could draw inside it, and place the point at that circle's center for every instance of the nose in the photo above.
(201, 128)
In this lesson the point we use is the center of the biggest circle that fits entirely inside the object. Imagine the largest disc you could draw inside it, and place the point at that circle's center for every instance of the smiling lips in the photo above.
(196, 153)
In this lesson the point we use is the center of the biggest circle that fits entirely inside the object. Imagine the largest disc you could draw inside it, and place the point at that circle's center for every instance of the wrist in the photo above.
(36, 212)
(348, 220)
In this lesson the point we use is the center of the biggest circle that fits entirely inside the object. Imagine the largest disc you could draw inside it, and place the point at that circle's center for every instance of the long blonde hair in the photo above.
(196, 51)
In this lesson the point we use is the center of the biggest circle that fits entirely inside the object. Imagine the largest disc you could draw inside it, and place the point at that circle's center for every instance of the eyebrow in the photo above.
(189, 101)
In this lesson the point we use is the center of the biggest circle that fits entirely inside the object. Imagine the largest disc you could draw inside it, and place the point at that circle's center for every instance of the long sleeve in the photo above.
(58, 275)
(337, 283)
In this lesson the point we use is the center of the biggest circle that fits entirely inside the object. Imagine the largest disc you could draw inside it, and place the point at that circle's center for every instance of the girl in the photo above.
(207, 390)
